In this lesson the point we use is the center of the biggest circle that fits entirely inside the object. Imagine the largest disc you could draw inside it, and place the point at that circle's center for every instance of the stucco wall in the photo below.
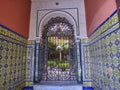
(42, 7)
(15, 14)
(97, 11)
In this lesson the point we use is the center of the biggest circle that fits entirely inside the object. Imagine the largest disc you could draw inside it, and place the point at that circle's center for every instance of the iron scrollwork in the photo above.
(59, 53)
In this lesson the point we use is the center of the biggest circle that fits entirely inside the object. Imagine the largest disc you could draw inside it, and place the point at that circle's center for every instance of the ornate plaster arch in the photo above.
(55, 13)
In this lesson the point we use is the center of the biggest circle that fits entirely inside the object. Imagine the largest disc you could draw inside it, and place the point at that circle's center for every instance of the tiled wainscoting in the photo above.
(13, 49)
(101, 56)
(30, 65)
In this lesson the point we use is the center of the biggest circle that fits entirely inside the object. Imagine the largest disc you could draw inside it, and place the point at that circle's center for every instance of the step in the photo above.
(48, 87)
(58, 85)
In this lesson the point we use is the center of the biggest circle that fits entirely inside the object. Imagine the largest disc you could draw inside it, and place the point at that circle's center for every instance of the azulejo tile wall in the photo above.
(33, 63)
(12, 60)
(30, 63)
(102, 55)
(86, 69)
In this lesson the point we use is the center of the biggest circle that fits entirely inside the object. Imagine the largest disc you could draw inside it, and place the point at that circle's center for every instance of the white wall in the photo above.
(48, 9)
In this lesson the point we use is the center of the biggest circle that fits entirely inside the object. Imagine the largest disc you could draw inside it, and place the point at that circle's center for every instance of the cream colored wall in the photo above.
(73, 10)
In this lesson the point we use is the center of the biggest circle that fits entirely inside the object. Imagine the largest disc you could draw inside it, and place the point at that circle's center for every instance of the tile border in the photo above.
(1, 25)
(103, 23)
(88, 88)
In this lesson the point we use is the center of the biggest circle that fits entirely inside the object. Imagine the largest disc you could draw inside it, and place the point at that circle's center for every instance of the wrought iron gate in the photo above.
(59, 54)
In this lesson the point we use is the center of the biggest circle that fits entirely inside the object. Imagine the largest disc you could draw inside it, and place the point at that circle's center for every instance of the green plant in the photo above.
(64, 65)
(51, 63)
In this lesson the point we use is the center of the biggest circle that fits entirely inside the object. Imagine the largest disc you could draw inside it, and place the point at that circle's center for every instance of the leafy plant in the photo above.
(51, 63)
(64, 66)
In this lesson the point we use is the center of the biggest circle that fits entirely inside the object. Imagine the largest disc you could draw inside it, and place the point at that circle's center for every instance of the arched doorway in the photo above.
(58, 51)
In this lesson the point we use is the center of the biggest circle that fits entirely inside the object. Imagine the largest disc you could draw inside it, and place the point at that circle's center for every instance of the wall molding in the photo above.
(103, 22)
(3, 26)
(12, 34)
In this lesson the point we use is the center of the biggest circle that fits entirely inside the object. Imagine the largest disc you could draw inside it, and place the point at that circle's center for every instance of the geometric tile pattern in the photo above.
(78, 61)
(86, 62)
(104, 55)
(12, 60)
(34, 63)
(30, 63)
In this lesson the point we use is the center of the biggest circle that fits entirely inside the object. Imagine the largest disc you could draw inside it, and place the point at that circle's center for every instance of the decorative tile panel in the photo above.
(12, 60)
(30, 63)
(104, 55)
(86, 69)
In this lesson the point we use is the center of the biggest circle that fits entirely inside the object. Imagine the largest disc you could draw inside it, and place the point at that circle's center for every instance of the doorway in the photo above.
(58, 43)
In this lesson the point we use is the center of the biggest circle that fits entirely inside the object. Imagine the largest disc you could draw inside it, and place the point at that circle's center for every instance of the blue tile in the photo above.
(88, 88)
(28, 88)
